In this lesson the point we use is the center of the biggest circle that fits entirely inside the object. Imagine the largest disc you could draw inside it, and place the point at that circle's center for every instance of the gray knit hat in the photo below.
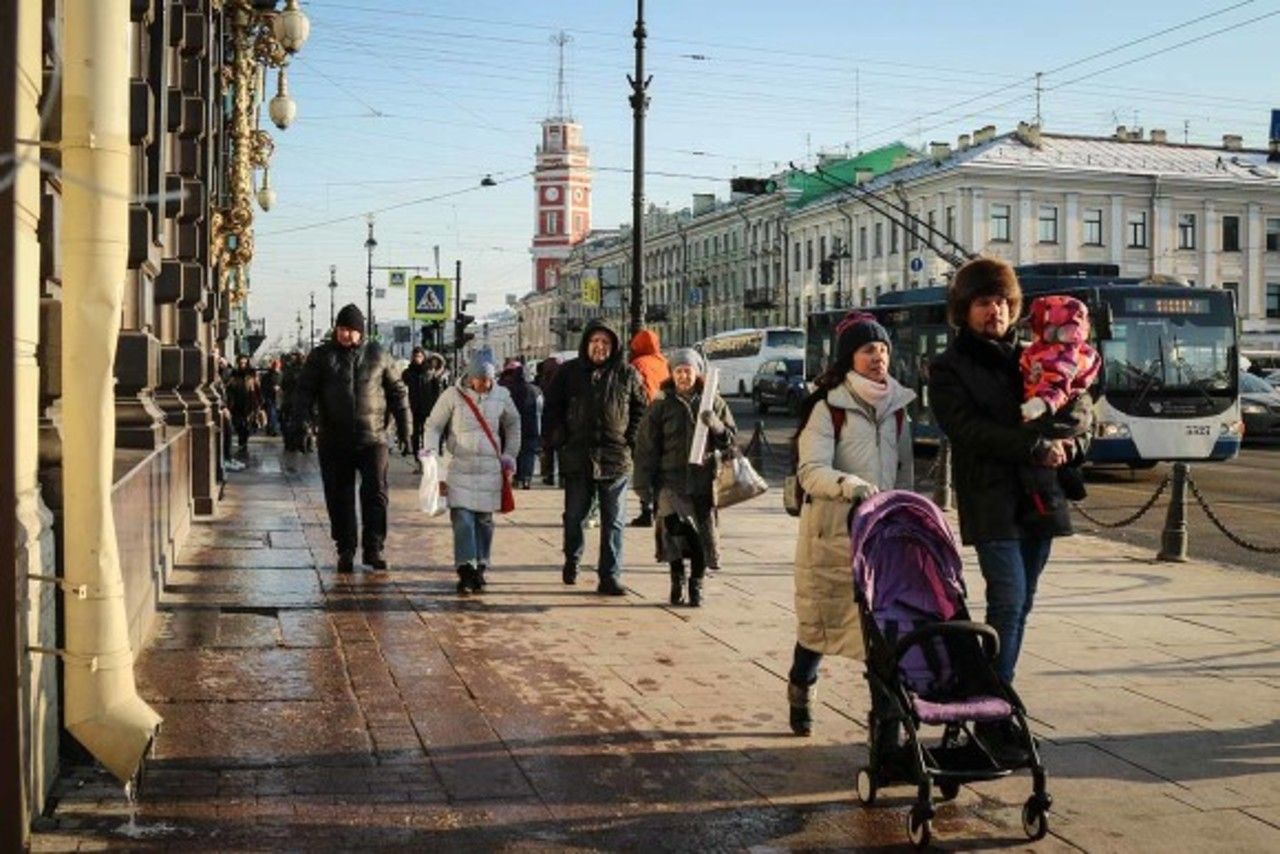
(687, 356)
(481, 366)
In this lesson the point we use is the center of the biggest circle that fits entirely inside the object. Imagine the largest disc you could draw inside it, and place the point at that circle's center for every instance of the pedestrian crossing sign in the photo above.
(429, 298)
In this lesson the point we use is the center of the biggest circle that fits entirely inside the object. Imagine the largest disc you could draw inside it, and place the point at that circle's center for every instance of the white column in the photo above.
(1209, 245)
(1253, 295)
(977, 234)
(1070, 235)
(1026, 224)
(1118, 229)
(1163, 229)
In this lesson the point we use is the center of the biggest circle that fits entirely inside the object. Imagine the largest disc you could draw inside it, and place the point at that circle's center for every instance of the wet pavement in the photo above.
(310, 711)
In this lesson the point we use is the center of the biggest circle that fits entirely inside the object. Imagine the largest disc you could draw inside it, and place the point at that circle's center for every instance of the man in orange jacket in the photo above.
(647, 359)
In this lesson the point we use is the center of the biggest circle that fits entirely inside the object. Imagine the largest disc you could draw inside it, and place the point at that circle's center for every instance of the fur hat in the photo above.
(982, 277)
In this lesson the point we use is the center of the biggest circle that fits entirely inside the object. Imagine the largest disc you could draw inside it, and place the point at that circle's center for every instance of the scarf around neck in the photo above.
(874, 394)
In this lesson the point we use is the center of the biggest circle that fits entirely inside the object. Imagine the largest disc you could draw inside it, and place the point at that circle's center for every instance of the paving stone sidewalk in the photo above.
(308, 711)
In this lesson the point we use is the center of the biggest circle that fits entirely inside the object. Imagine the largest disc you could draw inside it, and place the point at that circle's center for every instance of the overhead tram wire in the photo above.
(1097, 55)
(866, 196)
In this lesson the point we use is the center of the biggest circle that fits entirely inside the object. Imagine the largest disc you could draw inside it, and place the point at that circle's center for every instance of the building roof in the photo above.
(878, 161)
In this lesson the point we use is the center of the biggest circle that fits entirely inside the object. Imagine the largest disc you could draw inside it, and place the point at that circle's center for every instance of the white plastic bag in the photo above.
(737, 481)
(430, 501)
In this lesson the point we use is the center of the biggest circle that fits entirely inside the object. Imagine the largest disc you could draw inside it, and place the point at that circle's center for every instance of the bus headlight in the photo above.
(1232, 428)
(1112, 430)
(1253, 409)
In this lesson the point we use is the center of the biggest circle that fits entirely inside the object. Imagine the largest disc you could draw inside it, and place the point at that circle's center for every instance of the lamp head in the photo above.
(291, 27)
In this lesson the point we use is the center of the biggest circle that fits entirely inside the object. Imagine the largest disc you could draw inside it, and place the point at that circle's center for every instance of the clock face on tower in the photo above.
(551, 194)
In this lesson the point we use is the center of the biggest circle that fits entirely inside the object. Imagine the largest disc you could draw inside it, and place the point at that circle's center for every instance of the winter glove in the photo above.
(508, 464)
(713, 422)
(1033, 409)
(857, 490)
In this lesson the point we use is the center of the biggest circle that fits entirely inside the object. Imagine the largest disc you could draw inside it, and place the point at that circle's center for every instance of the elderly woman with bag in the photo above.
(475, 413)
(685, 493)
(854, 440)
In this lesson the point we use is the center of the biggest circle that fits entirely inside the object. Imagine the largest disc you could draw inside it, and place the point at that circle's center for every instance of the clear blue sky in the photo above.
(401, 100)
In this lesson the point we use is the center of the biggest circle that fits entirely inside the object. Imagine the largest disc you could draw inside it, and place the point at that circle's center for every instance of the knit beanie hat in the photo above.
(351, 317)
(480, 366)
(855, 330)
(686, 356)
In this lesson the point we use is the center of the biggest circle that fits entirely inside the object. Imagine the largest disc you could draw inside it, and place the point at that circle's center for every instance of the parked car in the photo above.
(779, 382)
(1259, 407)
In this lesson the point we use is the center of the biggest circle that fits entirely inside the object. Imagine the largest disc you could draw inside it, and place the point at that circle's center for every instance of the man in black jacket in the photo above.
(352, 384)
(975, 391)
(593, 409)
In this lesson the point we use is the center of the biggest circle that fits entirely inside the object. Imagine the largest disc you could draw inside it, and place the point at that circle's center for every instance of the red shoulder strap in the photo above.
(837, 419)
(484, 425)
(899, 415)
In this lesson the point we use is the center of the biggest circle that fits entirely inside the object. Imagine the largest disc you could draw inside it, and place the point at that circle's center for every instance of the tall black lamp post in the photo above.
(370, 244)
(312, 341)
(333, 290)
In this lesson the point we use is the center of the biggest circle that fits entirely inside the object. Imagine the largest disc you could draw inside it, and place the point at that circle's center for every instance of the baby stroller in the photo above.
(928, 664)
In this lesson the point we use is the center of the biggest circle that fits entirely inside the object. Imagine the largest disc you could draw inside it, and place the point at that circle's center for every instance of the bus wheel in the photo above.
(761, 406)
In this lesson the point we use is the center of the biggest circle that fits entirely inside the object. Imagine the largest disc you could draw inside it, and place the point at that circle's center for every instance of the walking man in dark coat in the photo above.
(593, 409)
(353, 384)
(425, 380)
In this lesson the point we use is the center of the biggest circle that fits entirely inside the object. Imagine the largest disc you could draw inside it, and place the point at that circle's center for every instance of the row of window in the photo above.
(1136, 228)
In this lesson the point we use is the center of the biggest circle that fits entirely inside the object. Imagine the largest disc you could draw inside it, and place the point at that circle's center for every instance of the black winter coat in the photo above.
(591, 415)
(666, 435)
(975, 391)
(352, 390)
(423, 387)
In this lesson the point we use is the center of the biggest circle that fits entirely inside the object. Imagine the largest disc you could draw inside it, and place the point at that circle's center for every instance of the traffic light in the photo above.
(753, 186)
(826, 271)
(460, 334)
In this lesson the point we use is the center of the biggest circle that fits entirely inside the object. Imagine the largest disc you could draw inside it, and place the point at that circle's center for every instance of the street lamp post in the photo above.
(370, 244)
(639, 103)
(312, 341)
(333, 290)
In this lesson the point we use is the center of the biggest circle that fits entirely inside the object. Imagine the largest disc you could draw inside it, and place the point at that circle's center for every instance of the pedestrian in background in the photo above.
(425, 381)
(293, 421)
(352, 384)
(854, 440)
(528, 402)
(975, 392)
(683, 493)
(547, 445)
(269, 384)
(475, 413)
(594, 407)
(243, 395)
(647, 359)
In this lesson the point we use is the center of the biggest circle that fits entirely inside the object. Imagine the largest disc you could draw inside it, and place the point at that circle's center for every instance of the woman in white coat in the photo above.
(477, 466)
(854, 440)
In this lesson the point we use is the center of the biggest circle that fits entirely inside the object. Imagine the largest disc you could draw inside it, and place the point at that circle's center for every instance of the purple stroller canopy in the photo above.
(904, 553)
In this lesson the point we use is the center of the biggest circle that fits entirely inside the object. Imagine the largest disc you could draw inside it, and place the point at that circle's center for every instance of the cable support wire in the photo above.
(1218, 523)
(1130, 519)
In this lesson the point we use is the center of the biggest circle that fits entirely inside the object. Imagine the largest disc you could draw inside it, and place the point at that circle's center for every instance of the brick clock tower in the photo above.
(562, 200)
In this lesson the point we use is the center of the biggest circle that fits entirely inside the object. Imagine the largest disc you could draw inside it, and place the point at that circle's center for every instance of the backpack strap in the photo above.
(899, 415)
(837, 419)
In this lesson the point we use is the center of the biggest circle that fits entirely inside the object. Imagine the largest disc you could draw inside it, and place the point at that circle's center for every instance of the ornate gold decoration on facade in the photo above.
(259, 40)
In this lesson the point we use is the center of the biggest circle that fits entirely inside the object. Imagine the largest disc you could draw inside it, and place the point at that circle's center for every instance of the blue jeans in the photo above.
(579, 493)
(525, 459)
(1011, 568)
(472, 536)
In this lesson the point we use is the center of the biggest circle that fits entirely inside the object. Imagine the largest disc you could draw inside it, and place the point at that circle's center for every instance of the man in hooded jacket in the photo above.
(352, 383)
(593, 410)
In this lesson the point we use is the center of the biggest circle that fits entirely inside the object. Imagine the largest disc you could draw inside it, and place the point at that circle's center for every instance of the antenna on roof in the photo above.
(1039, 89)
(561, 39)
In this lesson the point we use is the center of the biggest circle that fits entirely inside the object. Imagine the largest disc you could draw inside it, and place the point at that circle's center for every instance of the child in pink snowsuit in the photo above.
(1057, 367)
(1059, 364)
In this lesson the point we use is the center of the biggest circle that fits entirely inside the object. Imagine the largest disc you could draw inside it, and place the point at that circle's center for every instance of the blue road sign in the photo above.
(695, 296)
(916, 265)
(429, 298)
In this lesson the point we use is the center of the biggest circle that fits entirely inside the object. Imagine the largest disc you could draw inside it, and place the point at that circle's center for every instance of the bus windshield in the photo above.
(1164, 355)
(786, 338)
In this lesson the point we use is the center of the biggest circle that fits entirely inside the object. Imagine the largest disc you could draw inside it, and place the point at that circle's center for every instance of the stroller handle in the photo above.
(987, 636)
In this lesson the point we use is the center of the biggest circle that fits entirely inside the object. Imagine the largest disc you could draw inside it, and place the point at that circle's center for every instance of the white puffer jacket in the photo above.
(475, 471)
(869, 450)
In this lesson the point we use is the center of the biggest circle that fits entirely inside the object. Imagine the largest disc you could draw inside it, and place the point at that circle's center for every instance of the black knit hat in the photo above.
(855, 330)
(351, 317)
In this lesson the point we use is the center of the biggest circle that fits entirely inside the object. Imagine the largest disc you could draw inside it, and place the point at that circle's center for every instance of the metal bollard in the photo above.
(755, 448)
(942, 486)
(1173, 539)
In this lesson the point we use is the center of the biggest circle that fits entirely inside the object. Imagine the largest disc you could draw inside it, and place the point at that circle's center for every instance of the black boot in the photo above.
(346, 562)
(478, 578)
(677, 582)
(695, 592)
(569, 572)
(466, 579)
(800, 698)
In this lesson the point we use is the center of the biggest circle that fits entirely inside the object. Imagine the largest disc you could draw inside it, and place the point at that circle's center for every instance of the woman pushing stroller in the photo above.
(854, 441)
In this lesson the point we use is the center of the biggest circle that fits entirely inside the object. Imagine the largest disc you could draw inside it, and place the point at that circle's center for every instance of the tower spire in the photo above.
(561, 39)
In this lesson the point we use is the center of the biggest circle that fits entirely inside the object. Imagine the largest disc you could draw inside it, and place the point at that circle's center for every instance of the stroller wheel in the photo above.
(865, 785)
(948, 789)
(1035, 823)
(919, 828)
